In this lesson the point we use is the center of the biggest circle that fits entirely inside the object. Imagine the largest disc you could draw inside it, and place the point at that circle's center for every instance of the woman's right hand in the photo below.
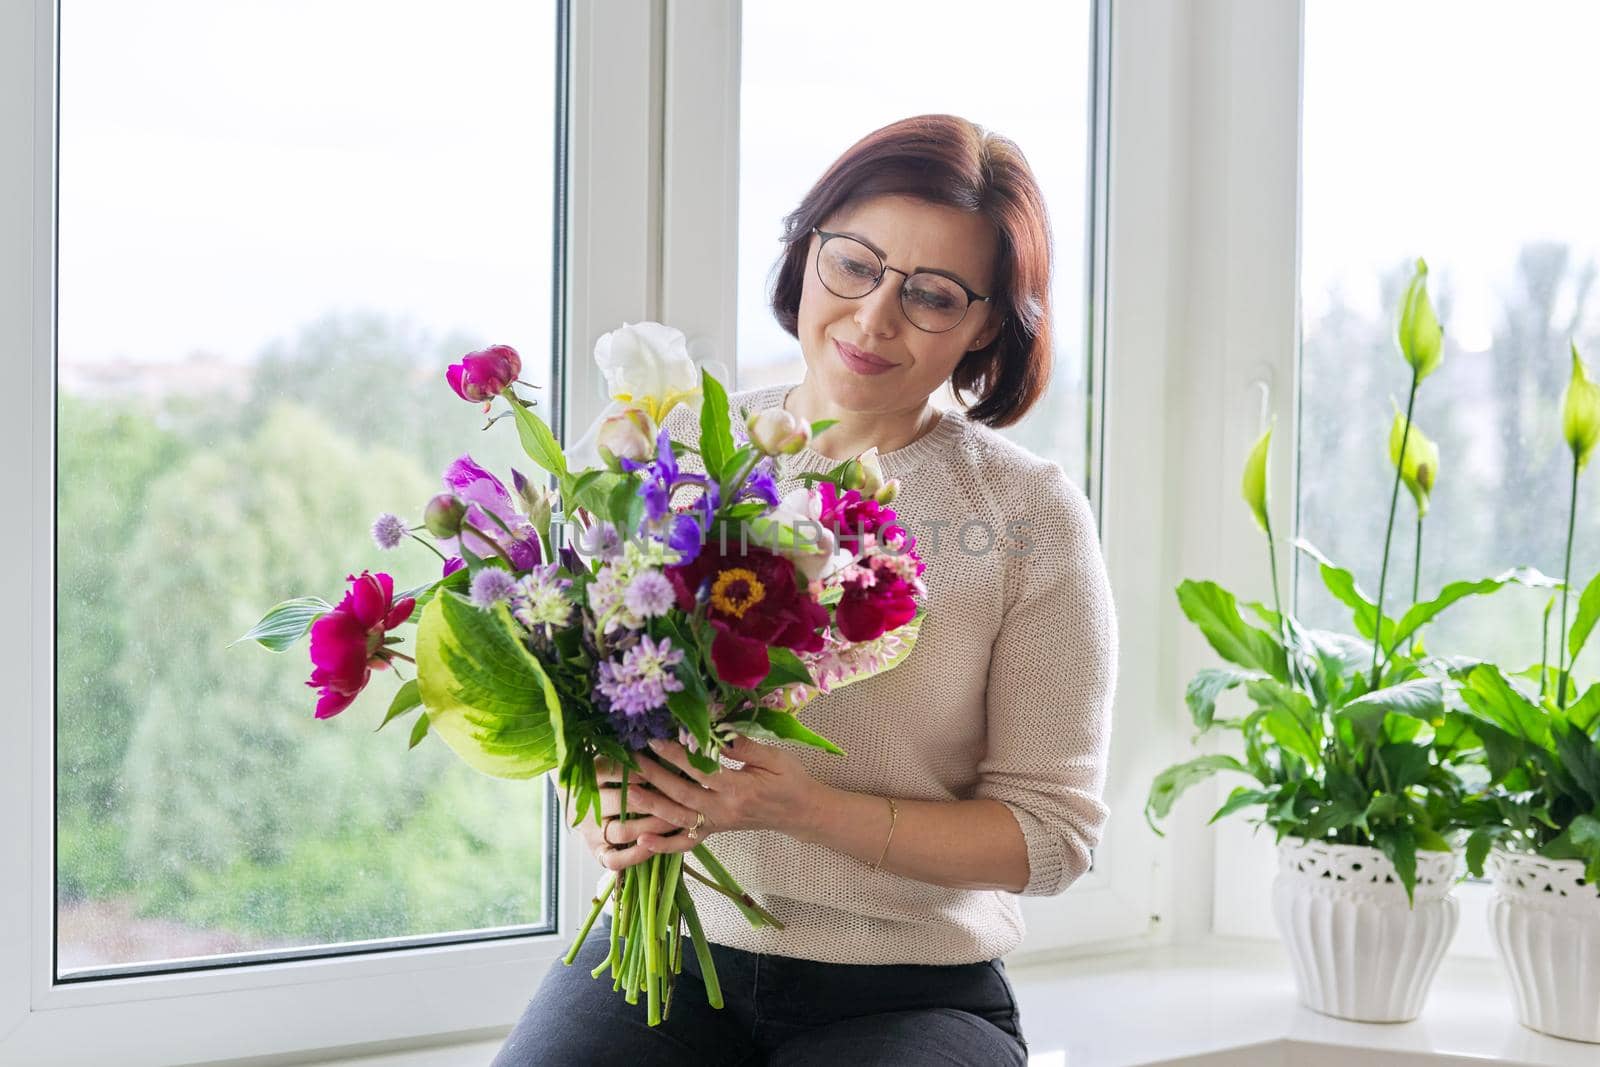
(643, 802)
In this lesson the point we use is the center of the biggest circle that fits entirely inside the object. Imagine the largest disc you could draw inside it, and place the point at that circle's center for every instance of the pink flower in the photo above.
(487, 499)
(347, 644)
(483, 375)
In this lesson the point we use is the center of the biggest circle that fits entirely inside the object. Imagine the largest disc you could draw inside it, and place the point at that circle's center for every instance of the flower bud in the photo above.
(485, 374)
(629, 434)
(776, 432)
(1418, 334)
(538, 502)
(1421, 467)
(1580, 412)
(871, 473)
(886, 494)
(853, 477)
(443, 515)
(1255, 480)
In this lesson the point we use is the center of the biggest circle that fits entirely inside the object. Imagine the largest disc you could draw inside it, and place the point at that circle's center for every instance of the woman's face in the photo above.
(910, 363)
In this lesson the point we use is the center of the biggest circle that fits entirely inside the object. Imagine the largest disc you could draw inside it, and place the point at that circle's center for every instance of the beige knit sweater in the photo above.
(1007, 695)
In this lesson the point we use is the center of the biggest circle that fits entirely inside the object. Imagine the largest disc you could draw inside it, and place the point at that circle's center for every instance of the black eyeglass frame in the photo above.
(883, 268)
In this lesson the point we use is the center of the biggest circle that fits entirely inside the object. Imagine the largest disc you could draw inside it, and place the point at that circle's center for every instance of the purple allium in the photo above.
(490, 585)
(641, 680)
(649, 595)
(388, 530)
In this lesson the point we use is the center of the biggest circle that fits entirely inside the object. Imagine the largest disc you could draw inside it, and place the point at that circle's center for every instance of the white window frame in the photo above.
(348, 1003)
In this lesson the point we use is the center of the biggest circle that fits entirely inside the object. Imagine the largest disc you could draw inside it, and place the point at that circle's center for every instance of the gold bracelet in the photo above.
(893, 813)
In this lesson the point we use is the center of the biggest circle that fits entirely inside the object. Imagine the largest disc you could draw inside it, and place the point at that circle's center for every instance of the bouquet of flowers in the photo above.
(694, 605)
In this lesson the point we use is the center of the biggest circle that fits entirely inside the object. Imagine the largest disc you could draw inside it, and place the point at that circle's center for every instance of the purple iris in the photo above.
(486, 500)
(684, 531)
(760, 485)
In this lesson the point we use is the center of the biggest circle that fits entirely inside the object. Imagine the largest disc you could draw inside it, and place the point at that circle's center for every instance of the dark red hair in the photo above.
(944, 159)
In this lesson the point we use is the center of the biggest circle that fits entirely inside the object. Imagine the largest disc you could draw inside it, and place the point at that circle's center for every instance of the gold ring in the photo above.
(605, 831)
(699, 821)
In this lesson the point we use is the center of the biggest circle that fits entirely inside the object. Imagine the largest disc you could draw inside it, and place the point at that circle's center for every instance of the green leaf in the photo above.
(1580, 758)
(1588, 614)
(592, 491)
(1586, 709)
(716, 431)
(822, 424)
(537, 440)
(457, 580)
(1214, 610)
(786, 726)
(1420, 698)
(1242, 797)
(418, 731)
(1478, 845)
(785, 668)
(1399, 843)
(1419, 615)
(1291, 720)
(286, 623)
(1496, 701)
(1579, 841)
(1342, 584)
(408, 697)
(486, 694)
(1407, 765)
(1207, 685)
(1173, 782)
(692, 713)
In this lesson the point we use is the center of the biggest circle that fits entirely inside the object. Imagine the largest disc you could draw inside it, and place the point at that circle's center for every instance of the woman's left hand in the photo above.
(772, 791)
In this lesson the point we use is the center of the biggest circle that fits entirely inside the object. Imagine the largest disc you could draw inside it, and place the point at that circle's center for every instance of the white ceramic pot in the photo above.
(1358, 950)
(1546, 925)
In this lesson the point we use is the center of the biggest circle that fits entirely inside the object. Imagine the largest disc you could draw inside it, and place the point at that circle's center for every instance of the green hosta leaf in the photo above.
(1496, 701)
(1291, 720)
(486, 695)
(716, 431)
(537, 440)
(1207, 685)
(1342, 584)
(1214, 610)
(786, 726)
(1419, 615)
(286, 623)
(1173, 782)
(419, 730)
(408, 697)
(1419, 698)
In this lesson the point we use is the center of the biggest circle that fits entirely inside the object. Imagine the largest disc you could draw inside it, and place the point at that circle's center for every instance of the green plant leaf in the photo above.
(1419, 698)
(486, 694)
(406, 698)
(1580, 758)
(419, 730)
(1583, 712)
(716, 430)
(1588, 614)
(1214, 610)
(1291, 720)
(785, 668)
(1419, 615)
(1399, 843)
(1207, 685)
(537, 440)
(691, 712)
(1407, 765)
(786, 726)
(1173, 782)
(286, 623)
(1242, 797)
(1489, 696)
(1342, 584)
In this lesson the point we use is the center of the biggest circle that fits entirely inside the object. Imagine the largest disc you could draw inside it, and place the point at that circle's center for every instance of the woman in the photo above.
(974, 769)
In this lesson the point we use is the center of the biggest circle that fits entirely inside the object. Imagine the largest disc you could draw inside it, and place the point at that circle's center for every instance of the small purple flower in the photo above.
(640, 681)
(451, 565)
(649, 595)
(388, 530)
(491, 585)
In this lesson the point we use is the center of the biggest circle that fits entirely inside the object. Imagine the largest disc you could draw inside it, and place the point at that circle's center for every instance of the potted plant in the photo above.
(1537, 819)
(1348, 742)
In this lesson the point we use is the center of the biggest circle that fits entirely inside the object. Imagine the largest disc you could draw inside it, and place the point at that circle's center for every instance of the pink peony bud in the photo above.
(484, 374)
(776, 432)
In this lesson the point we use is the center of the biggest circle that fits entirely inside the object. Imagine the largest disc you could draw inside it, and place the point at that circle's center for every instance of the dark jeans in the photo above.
(776, 1010)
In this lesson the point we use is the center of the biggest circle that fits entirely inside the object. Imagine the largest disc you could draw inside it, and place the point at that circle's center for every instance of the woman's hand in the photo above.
(772, 791)
(615, 842)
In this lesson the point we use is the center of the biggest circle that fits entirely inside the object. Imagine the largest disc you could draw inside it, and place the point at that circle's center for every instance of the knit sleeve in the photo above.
(1052, 674)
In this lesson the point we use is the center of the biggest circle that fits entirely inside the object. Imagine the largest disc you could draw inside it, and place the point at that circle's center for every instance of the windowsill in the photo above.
(1223, 1001)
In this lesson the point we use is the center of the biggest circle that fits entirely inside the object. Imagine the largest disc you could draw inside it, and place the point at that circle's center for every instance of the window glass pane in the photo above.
(809, 92)
(1449, 130)
(278, 223)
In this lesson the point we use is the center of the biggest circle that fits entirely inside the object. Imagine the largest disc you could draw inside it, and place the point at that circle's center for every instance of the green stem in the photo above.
(1566, 578)
(469, 528)
(1388, 531)
(652, 943)
(594, 913)
(1416, 572)
(731, 889)
(702, 950)
(428, 546)
(1544, 648)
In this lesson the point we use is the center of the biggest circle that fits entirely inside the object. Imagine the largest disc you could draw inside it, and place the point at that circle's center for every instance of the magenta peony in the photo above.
(347, 644)
(483, 375)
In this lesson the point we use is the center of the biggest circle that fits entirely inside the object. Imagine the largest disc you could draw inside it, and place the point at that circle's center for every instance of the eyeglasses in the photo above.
(932, 302)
